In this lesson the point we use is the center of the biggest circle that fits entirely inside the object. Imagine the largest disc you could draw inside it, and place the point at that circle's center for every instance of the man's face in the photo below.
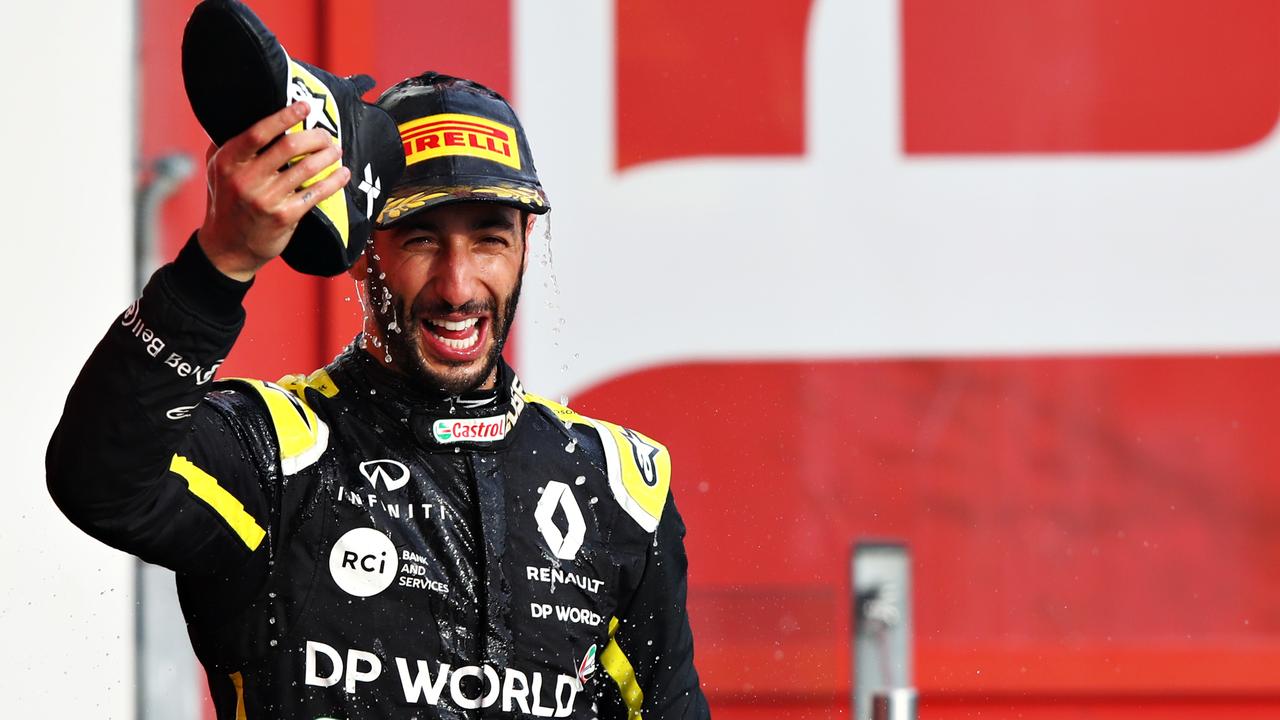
(441, 289)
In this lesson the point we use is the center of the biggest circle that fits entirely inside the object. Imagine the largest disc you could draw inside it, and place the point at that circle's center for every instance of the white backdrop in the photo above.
(66, 601)
(856, 250)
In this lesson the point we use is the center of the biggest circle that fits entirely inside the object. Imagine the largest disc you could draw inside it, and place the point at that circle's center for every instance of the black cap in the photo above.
(462, 141)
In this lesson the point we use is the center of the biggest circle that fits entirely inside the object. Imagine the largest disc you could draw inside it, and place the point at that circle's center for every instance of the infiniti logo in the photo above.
(393, 474)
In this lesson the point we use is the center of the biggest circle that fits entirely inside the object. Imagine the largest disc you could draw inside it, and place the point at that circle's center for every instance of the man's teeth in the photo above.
(460, 344)
(455, 325)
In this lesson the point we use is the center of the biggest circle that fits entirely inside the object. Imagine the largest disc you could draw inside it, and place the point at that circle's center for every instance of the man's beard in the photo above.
(407, 353)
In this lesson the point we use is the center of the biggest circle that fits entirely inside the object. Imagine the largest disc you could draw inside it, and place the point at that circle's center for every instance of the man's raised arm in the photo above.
(137, 460)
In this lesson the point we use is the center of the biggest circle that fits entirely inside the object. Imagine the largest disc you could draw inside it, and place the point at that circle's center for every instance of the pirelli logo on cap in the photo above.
(456, 134)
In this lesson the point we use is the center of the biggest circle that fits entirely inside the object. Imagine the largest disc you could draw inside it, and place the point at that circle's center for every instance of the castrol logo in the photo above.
(488, 429)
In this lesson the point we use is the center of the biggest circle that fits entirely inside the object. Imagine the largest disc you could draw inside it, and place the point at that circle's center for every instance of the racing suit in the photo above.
(347, 546)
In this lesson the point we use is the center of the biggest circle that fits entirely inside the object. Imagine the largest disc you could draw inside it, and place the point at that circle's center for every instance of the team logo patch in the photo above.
(489, 429)
(363, 562)
(393, 473)
(457, 134)
(564, 544)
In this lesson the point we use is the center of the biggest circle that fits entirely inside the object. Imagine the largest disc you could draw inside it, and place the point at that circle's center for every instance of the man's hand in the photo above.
(253, 205)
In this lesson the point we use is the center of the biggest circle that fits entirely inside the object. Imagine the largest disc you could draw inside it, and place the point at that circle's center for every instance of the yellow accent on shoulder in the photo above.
(295, 423)
(318, 381)
(645, 469)
(615, 663)
(561, 411)
(639, 467)
(206, 487)
(301, 434)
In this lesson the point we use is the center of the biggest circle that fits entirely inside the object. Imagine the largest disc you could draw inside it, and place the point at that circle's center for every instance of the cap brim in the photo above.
(408, 201)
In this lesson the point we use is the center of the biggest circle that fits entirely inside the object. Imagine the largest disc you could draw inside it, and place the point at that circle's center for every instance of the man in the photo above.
(404, 533)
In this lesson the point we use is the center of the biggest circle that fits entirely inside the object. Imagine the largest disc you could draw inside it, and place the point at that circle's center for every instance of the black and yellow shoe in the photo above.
(236, 72)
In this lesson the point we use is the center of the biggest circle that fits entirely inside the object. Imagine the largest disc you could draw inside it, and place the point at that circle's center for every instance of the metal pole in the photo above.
(897, 704)
(882, 632)
(168, 172)
(166, 673)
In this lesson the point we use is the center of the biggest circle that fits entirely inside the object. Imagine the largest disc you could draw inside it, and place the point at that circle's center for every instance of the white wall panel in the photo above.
(66, 609)
(855, 249)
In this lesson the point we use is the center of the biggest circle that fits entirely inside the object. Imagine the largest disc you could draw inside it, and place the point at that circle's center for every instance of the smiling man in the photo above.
(405, 532)
(456, 270)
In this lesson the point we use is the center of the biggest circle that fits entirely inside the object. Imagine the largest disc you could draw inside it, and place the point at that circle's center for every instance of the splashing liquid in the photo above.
(365, 315)
(546, 259)
(376, 297)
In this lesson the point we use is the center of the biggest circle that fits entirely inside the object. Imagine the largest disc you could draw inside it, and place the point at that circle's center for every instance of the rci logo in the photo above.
(393, 474)
(564, 544)
(363, 562)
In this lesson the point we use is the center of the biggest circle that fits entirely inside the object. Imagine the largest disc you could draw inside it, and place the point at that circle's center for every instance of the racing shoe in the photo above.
(236, 72)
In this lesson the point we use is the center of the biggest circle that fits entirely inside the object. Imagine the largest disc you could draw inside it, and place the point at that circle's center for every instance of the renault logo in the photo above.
(565, 543)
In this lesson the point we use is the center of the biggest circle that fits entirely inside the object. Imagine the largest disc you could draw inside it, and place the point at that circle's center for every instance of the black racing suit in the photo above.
(349, 547)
